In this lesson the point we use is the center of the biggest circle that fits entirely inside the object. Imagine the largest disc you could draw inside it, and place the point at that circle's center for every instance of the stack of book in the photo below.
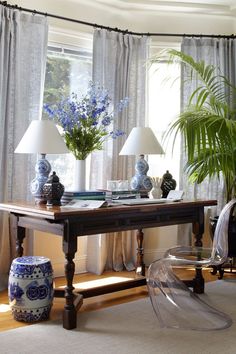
(84, 195)
(123, 194)
(99, 195)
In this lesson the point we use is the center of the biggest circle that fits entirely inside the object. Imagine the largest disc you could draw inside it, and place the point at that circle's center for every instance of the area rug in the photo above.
(130, 328)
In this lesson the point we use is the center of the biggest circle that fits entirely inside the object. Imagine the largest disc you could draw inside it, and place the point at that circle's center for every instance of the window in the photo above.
(68, 70)
(164, 106)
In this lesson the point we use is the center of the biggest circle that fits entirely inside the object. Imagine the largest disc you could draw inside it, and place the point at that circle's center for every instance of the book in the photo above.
(84, 193)
(100, 195)
(89, 197)
(86, 204)
(125, 196)
(105, 195)
(125, 192)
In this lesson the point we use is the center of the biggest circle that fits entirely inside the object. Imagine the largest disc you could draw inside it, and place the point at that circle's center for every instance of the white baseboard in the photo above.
(59, 264)
(150, 255)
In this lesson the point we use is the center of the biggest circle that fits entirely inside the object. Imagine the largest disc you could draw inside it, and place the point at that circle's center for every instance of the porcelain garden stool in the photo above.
(30, 288)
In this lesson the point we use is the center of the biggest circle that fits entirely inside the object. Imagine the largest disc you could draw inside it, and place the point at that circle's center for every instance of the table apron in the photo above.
(81, 226)
(41, 225)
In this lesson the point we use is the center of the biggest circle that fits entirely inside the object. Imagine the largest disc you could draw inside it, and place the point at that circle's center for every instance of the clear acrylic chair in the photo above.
(175, 305)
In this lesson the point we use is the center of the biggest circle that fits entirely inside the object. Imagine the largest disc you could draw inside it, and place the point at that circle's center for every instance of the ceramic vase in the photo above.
(156, 192)
(79, 182)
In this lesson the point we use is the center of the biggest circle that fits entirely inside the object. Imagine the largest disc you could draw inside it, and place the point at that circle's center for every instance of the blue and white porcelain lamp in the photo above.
(141, 141)
(42, 137)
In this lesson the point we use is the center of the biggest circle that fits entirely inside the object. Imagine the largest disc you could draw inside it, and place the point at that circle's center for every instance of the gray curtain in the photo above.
(221, 53)
(119, 65)
(23, 46)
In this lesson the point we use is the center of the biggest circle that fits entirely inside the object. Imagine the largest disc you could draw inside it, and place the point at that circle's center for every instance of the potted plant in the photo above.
(87, 121)
(207, 124)
(208, 128)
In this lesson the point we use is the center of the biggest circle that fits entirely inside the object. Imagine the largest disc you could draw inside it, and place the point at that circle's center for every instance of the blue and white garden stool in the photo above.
(30, 288)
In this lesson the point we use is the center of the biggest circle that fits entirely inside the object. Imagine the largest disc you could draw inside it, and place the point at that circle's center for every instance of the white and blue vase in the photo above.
(30, 288)
(42, 169)
(140, 181)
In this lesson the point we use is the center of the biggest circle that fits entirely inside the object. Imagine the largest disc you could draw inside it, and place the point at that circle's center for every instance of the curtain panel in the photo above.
(23, 48)
(119, 65)
(220, 52)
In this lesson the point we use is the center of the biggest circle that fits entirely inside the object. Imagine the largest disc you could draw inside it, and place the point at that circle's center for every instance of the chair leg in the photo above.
(221, 271)
(214, 270)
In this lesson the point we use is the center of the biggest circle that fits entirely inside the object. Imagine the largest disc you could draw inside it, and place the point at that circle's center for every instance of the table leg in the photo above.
(69, 248)
(20, 235)
(198, 230)
(140, 266)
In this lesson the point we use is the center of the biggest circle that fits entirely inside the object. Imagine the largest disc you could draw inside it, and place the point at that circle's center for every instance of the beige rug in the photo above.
(131, 328)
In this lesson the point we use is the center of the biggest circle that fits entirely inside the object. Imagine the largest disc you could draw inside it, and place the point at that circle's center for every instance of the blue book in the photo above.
(89, 197)
(84, 193)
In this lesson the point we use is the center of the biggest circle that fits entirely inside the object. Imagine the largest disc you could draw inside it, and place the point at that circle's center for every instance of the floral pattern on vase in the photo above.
(30, 288)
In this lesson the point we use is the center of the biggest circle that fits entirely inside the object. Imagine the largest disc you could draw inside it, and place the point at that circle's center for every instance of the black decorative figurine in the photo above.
(53, 190)
(168, 184)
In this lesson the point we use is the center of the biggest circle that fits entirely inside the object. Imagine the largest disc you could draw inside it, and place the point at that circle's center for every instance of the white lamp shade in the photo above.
(141, 141)
(42, 137)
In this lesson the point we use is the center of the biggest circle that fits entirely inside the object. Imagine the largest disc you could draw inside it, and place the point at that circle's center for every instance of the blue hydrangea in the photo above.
(87, 122)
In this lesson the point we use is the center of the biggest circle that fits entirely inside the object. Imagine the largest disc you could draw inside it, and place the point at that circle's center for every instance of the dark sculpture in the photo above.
(53, 190)
(168, 183)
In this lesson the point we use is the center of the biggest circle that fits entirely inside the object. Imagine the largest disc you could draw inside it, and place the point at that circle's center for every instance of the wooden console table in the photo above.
(71, 223)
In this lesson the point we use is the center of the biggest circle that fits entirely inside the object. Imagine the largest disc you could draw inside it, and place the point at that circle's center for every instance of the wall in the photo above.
(50, 246)
(156, 240)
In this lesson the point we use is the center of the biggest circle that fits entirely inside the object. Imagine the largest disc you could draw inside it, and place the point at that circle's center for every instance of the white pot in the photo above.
(156, 193)
(79, 182)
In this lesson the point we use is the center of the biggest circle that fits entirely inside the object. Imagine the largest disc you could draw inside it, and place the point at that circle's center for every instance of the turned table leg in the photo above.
(19, 233)
(198, 230)
(140, 266)
(69, 248)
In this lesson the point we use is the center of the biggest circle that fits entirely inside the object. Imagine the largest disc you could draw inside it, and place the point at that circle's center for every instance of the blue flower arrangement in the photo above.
(86, 122)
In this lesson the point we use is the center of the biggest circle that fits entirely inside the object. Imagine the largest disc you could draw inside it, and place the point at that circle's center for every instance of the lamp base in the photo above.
(140, 181)
(42, 169)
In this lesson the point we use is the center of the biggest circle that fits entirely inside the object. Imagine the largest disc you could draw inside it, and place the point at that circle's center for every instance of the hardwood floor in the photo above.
(95, 303)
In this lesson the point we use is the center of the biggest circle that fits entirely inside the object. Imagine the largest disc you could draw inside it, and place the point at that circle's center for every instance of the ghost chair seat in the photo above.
(177, 306)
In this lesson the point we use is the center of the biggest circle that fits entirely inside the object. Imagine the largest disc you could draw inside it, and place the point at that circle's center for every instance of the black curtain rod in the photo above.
(150, 34)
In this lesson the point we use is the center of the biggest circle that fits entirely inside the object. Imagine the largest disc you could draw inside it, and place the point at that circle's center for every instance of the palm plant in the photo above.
(207, 124)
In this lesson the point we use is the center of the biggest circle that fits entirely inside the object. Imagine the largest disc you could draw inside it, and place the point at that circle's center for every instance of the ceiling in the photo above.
(211, 7)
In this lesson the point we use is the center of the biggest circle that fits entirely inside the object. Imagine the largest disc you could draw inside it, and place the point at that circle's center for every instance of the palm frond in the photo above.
(211, 81)
(208, 123)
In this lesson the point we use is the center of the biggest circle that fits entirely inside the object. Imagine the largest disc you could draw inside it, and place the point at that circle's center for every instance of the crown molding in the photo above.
(210, 7)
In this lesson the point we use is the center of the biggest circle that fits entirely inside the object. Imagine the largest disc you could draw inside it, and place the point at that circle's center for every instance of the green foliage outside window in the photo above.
(57, 82)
